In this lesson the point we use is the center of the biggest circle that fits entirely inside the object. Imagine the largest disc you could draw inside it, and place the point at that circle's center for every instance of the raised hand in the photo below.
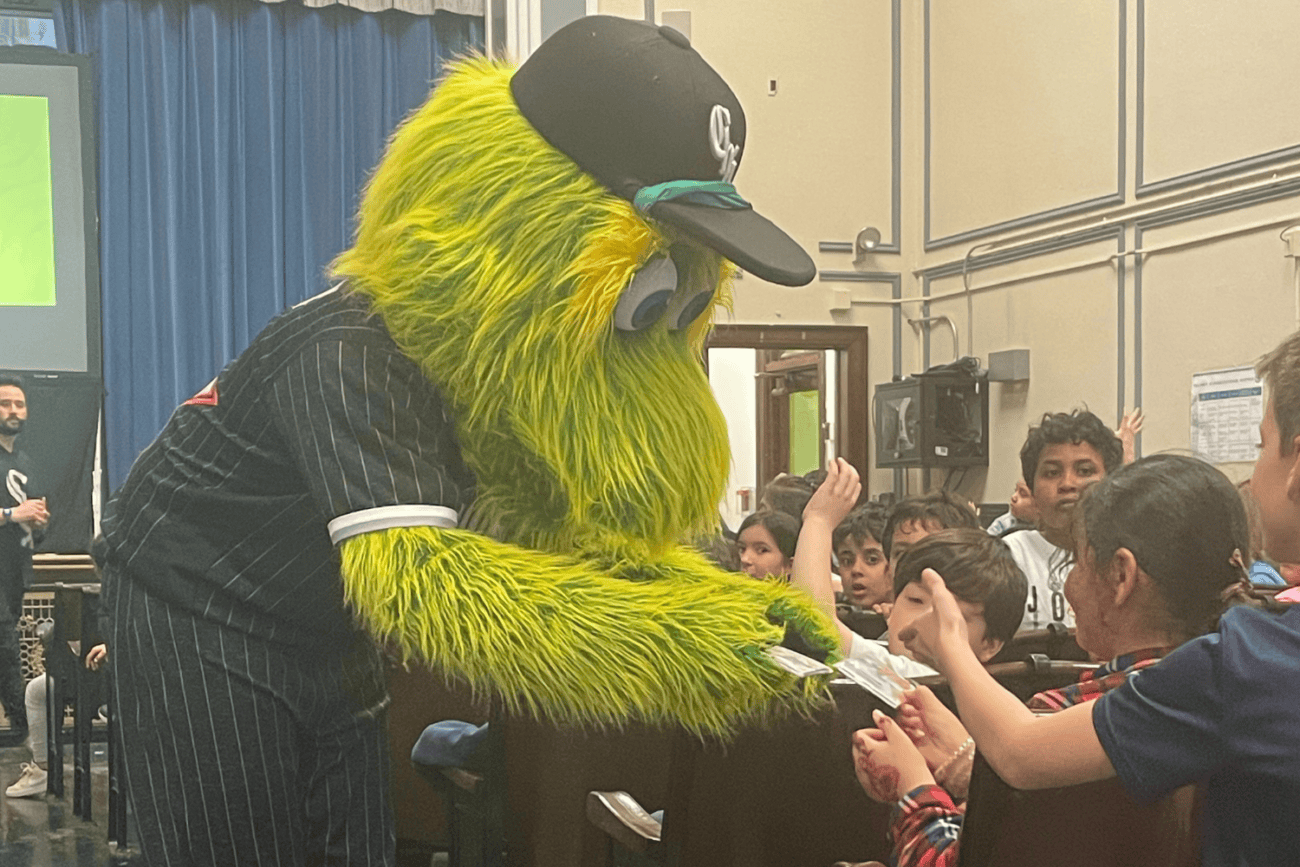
(1129, 427)
(836, 496)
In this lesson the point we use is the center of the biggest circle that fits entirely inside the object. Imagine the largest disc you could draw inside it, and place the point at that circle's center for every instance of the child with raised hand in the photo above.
(828, 506)
(1133, 609)
(1220, 710)
(991, 586)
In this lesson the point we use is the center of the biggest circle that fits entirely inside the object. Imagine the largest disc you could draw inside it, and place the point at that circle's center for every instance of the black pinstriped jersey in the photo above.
(18, 482)
(225, 513)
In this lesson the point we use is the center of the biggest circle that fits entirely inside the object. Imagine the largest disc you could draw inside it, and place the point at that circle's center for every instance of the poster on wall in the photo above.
(1227, 407)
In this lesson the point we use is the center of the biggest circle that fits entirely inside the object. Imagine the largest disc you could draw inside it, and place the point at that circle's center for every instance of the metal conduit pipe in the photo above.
(1112, 257)
(968, 289)
(930, 320)
(1147, 208)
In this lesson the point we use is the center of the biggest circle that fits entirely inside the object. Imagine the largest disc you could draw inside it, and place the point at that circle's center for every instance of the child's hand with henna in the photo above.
(935, 730)
(888, 765)
(940, 736)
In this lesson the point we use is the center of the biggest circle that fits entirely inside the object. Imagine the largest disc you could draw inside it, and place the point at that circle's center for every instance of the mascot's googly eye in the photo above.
(686, 308)
(647, 296)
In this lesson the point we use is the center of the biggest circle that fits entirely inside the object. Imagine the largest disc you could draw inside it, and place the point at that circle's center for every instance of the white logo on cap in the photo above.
(726, 153)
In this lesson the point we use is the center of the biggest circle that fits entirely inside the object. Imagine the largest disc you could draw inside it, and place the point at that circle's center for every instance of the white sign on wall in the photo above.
(1227, 407)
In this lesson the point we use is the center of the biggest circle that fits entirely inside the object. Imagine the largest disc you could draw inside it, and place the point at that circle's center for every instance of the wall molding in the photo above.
(1108, 199)
(1024, 251)
(893, 244)
(1230, 202)
(1175, 217)
(860, 277)
(1210, 173)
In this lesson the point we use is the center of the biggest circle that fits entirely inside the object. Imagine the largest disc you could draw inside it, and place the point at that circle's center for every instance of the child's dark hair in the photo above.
(937, 507)
(720, 551)
(977, 568)
(788, 494)
(863, 524)
(784, 529)
(1184, 523)
(1079, 426)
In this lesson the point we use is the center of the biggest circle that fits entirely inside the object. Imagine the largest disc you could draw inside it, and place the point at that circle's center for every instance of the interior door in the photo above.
(780, 357)
(792, 437)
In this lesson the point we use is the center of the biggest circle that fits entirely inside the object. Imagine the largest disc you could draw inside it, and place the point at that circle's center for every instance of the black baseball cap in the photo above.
(638, 109)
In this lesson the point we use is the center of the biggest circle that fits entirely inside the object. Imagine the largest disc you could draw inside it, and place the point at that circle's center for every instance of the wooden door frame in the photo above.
(853, 402)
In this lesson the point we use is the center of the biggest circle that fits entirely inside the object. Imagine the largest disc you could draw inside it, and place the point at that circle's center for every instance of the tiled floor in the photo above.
(41, 831)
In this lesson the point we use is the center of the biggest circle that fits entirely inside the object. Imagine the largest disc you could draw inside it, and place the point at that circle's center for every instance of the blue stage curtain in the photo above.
(234, 139)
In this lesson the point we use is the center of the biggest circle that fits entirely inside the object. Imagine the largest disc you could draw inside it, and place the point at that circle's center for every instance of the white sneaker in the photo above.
(32, 782)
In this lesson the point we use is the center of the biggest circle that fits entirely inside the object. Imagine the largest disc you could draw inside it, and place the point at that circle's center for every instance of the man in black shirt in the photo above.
(20, 514)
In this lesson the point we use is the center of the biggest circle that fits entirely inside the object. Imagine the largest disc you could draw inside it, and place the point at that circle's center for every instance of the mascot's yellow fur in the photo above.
(497, 264)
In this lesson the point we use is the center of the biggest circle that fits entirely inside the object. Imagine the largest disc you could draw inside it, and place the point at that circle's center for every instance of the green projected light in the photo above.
(26, 203)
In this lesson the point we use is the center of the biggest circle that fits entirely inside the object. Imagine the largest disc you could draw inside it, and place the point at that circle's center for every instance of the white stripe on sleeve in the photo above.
(387, 517)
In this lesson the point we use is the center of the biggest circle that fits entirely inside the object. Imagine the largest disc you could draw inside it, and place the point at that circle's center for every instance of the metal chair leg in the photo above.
(54, 735)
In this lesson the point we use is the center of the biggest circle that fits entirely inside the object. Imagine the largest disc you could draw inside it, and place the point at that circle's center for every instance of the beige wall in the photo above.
(1161, 126)
(1024, 98)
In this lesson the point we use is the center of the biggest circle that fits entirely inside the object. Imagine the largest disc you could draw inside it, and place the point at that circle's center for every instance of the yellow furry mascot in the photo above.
(502, 415)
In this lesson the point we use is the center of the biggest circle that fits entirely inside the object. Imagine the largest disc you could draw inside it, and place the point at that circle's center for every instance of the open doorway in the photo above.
(794, 397)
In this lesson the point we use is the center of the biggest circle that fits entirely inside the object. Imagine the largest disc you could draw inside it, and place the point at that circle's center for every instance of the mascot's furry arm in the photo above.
(556, 636)
(498, 267)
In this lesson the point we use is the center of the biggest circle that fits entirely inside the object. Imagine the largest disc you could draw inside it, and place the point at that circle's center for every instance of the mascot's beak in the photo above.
(637, 108)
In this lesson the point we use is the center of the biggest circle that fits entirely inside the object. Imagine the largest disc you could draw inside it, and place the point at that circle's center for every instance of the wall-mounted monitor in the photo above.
(49, 255)
(933, 419)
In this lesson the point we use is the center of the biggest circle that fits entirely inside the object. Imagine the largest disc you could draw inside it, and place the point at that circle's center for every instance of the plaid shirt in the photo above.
(925, 826)
(926, 823)
(1093, 683)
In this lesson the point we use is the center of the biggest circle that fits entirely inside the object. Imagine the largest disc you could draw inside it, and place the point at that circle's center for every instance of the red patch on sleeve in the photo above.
(206, 397)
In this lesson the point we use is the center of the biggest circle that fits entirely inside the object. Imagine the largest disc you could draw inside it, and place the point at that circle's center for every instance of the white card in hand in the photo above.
(876, 678)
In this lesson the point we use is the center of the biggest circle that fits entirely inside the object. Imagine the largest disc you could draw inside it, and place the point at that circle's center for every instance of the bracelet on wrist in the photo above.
(966, 745)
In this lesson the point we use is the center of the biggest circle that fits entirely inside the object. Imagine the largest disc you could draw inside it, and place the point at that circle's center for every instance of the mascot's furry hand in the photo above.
(555, 637)
(548, 245)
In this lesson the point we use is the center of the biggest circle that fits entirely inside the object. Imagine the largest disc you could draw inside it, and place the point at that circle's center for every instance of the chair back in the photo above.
(1054, 641)
(66, 647)
(1076, 826)
(1023, 679)
(863, 621)
(780, 795)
